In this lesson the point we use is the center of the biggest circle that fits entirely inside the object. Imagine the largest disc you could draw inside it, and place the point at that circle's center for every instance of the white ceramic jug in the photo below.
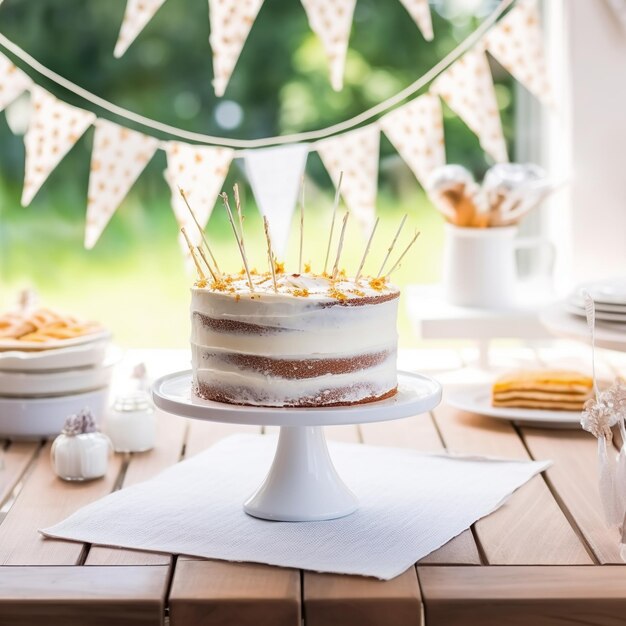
(480, 267)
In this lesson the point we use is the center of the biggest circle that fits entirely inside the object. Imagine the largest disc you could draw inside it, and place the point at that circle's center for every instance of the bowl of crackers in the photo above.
(52, 364)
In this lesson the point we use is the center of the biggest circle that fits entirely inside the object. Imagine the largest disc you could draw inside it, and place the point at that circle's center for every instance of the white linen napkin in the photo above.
(410, 504)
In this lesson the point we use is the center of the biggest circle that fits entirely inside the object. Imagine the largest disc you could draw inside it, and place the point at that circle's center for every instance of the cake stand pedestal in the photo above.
(302, 483)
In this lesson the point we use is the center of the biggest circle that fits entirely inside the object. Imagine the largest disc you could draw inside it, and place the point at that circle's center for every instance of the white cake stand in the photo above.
(302, 483)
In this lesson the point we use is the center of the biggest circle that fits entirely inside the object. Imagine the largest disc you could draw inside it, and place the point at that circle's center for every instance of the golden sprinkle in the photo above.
(279, 267)
(357, 292)
(219, 285)
(201, 284)
(338, 295)
(237, 297)
(378, 284)
(302, 293)
(307, 268)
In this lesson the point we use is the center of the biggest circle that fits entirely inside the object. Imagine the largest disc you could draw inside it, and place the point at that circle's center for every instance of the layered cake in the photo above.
(549, 389)
(307, 340)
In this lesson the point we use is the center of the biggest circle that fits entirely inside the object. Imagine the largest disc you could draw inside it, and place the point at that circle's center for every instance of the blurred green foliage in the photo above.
(280, 85)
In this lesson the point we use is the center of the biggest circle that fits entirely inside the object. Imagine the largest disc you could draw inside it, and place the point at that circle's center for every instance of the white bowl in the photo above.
(28, 418)
(53, 344)
(84, 355)
(33, 384)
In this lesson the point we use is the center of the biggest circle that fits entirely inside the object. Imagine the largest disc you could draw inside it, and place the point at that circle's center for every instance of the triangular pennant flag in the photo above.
(420, 12)
(275, 175)
(231, 21)
(119, 155)
(416, 131)
(467, 88)
(331, 21)
(54, 128)
(200, 172)
(517, 43)
(13, 82)
(356, 154)
(137, 15)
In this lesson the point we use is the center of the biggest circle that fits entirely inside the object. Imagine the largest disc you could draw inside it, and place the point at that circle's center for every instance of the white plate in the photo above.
(58, 383)
(477, 399)
(558, 321)
(611, 291)
(14, 344)
(84, 355)
(577, 301)
(619, 318)
(44, 417)
(416, 394)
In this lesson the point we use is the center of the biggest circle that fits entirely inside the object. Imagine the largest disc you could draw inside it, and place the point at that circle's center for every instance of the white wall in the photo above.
(587, 48)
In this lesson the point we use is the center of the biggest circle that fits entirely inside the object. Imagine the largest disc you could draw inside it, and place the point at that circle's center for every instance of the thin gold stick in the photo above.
(239, 214)
(340, 246)
(301, 226)
(193, 254)
(200, 251)
(393, 243)
(332, 223)
(201, 231)
(367, 249)
(397, 263)
(224, 197)
(270, 254)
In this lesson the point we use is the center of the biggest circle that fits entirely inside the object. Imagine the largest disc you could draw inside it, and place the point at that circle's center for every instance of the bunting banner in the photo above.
(277, 196)
(13, 82)
(200, 172)
(231, 21)
(137, 15)
(517, 43)
(420, 12)
(119, 155)
(54, 128)
(416, 132)
(331, 21)
(467, 88)
(356, 154)
(415, 129)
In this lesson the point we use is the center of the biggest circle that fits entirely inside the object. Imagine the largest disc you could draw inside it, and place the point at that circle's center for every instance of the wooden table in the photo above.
(545, 557)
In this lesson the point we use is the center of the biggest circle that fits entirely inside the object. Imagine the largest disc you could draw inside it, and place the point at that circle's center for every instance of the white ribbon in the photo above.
(605, 410)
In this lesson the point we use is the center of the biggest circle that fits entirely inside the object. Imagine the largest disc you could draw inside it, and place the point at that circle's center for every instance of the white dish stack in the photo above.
(40, 388)
(609, 297)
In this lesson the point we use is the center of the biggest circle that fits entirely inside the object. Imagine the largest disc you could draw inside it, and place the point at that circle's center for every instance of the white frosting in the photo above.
(323, 324)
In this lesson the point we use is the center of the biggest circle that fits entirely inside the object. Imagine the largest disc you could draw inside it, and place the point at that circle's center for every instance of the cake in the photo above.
(305, 341)
(550, 389)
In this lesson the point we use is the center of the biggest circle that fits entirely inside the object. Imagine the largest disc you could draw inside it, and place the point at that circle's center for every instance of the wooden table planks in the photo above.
(530, 528)
(544, 558)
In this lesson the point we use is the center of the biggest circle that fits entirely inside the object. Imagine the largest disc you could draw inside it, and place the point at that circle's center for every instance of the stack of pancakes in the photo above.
(555, 390)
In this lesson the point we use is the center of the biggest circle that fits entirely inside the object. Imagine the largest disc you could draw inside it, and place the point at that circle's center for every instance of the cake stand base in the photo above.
(302, 484)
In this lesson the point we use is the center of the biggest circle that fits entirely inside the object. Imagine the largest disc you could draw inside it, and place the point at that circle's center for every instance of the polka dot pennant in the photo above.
(420, 12)
(200, 172)
(275, 175)
(138, 13)
(467, 88)
(331, 21)
(54, 128)
(356, 154)
(231, 21)
(416, 131)
(13, 82)
(517, 43)
(119, 155)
